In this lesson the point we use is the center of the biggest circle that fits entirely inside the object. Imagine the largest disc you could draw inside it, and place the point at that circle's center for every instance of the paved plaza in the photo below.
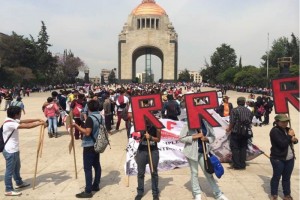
(56, 173)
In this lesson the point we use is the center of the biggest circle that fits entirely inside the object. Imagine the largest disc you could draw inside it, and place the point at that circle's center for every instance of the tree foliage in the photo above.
(282, 48)
(223, 58)
(184, 76)
(112, 77)
(34, 61)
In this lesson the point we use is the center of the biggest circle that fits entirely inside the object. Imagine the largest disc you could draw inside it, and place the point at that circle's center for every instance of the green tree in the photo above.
(280, 48)
(240, 62)
(228, 75)
(184, 76)
(293, 50)
(250, 76)
(112, 77)
(223, 58)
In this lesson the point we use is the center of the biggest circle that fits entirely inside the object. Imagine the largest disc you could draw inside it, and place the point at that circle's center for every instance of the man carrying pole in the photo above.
(11, 152)
(148, 154)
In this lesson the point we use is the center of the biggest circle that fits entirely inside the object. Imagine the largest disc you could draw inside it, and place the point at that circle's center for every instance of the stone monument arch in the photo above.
(148, 31)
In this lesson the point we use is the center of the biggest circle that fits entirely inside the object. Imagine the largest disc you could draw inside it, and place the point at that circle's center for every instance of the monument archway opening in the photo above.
(147, 64)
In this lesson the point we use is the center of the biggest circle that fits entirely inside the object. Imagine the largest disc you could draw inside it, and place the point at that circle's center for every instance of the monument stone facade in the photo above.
(148, 31)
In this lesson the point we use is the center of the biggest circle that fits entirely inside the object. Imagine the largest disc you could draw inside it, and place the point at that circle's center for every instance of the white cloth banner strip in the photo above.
(170, 149)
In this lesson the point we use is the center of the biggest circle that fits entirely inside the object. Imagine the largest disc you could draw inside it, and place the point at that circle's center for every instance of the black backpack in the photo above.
(172, 109)
(2, 142)
(244, 130)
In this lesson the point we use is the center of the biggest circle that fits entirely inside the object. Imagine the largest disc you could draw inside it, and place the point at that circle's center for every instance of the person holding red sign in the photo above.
(142, 158)
(193, 150)
(282, 156)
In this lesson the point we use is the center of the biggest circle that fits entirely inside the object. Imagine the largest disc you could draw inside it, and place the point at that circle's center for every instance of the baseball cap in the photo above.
(282, 118)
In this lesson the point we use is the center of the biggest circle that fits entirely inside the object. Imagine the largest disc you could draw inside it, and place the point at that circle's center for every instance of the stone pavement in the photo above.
(56, 174)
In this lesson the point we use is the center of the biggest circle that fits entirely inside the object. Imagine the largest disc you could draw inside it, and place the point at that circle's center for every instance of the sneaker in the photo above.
(50, 135)
(84, 195)
(12, 193)
(198, 197)
(222, 197)
(287, 197)
(274, 197)
(24, 184)
(138, 197)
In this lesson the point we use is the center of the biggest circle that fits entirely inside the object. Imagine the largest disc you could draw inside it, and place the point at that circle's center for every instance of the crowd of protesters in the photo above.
(113, 102)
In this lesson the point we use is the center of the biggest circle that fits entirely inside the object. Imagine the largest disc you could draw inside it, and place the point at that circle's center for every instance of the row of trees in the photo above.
(224, 68)
(26, 61)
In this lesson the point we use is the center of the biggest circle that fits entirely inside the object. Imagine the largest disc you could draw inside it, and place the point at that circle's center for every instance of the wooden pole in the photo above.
(204, 152)
(37, 158)
(42, 140)
(73, 143)
(150, 156)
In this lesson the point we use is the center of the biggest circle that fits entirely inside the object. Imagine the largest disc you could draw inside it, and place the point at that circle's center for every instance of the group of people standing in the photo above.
(90, 109)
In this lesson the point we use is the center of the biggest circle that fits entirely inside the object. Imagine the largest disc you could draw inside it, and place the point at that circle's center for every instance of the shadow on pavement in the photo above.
(110, 179)
(53, 177)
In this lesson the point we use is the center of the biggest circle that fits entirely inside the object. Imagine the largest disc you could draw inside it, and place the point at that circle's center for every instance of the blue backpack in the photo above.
(218, 168)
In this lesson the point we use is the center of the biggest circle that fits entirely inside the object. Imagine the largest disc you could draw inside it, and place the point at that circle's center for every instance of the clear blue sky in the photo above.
(91, 28)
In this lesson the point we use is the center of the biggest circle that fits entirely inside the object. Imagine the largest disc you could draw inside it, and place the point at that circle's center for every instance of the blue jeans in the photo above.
(142, 158)
(91, 159)
(282, 168)
(13, 166)
(209, 177)
(52, 122)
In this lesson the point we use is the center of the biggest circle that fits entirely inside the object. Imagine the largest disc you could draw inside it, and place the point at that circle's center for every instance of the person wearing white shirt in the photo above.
(11, 152)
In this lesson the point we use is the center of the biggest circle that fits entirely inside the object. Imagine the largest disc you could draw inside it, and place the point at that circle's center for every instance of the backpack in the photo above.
(218, 168)
(270, 103)
(172, 109)
(124, 113)
(244, 130)
(121, 101)
(77, 109)
(2, 143)
(101, 141)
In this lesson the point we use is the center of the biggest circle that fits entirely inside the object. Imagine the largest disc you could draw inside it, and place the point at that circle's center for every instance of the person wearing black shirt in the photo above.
(142, 159)
(238, 144)
(282, 156)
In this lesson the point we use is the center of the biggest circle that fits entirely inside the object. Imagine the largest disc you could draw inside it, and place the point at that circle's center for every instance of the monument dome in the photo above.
(148, 7)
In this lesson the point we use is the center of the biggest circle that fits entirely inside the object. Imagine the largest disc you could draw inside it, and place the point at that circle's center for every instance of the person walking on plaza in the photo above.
(77, 106)
(121, 103)
(11, 152)
(152, 134)
(51, 111)
(193, 150)
(282, 156)
(171, 109)
(238, 143)
(18, 102)
(225, 107)
(8, 97)
(91, 159)
(107, 112)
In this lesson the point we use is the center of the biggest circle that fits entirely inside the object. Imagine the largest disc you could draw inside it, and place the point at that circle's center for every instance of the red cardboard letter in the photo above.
(196, 112)
(284, 90)
(140, 113)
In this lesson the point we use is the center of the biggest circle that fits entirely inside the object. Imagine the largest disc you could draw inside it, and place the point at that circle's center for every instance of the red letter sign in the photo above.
(285, 90)
(141, 113)
(196, 112)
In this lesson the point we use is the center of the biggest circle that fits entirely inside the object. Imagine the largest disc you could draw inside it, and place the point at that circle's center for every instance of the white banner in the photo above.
(170, 149)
